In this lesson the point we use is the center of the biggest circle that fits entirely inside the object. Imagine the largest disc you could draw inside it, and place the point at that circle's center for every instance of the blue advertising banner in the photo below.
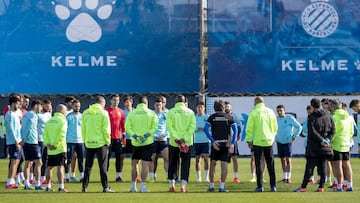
(277, 46)
(99, 46)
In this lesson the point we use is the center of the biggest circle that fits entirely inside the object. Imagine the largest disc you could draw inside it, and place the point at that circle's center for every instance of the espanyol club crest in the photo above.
(320, 19)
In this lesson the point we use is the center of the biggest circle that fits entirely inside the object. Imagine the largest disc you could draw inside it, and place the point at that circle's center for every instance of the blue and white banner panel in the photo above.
(284, 46)
(99, 46)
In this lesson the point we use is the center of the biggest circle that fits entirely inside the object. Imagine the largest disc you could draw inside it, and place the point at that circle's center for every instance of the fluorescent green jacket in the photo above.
(261, 127)
(55, 133)
(95, 127)
(344, 130)
(139, 122)
(181, 124)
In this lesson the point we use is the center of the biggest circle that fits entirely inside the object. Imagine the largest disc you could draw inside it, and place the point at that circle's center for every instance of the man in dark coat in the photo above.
(321, 129)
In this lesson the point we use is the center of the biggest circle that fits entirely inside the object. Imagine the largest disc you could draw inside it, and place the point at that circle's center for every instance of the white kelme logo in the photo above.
(357, 64)
(320, 19)
(83, 26)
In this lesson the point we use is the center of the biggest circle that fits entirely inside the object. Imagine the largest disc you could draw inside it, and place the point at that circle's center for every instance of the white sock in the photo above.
(172, 183)
(73, 174)
(289, 175)
(27, 183)
(8, 181)
(166, 174)
(236, 174)
(285, 175)
(152, 175)
(183, 183)
(21, 175)
(336, 181)
(49, 185)
(81, 175)
(212, 185)
(349, 184)
(37, 183)
(61, 186)
(198, 175)
(142, 185)
(339, 186)
(222, 185)
(17, 179)
(206, 174)
(67, 176)
(42, 178)
(133, 184)
(311, 177)
(252, 174)
(328, 178)
(31, 176)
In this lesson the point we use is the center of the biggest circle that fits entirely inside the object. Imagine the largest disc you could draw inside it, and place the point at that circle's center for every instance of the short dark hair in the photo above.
(14, 95)
(14, 99)
(76, 101)
(200, 103)
(226, 102)
(180, 98)
(35, 102)
(219, 105)
(315, 102)
(69, 99)
(128, 97)
(46, 101)
(325, 100)
(280, 106)
(26, 96)
(114, 95)
(354, 102)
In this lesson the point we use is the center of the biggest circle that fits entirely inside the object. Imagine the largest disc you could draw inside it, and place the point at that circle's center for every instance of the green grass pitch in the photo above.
(238, 192)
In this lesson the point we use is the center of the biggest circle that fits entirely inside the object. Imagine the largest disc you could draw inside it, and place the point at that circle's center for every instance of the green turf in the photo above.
(240, 192)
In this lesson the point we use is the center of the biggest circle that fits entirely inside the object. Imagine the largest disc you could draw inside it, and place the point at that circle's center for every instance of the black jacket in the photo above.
(320, 126)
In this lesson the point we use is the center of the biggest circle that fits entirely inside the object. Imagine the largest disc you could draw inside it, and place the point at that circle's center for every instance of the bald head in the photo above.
(61, 108)
(101, 100)
(258, 100)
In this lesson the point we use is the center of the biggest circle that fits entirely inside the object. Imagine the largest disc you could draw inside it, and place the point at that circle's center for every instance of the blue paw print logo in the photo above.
(83, 27)
(357, 64)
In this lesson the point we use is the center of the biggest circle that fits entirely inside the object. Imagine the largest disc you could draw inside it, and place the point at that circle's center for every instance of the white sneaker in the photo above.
(144, 190)
(207, 180)
(132, 190)
(108, 190)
